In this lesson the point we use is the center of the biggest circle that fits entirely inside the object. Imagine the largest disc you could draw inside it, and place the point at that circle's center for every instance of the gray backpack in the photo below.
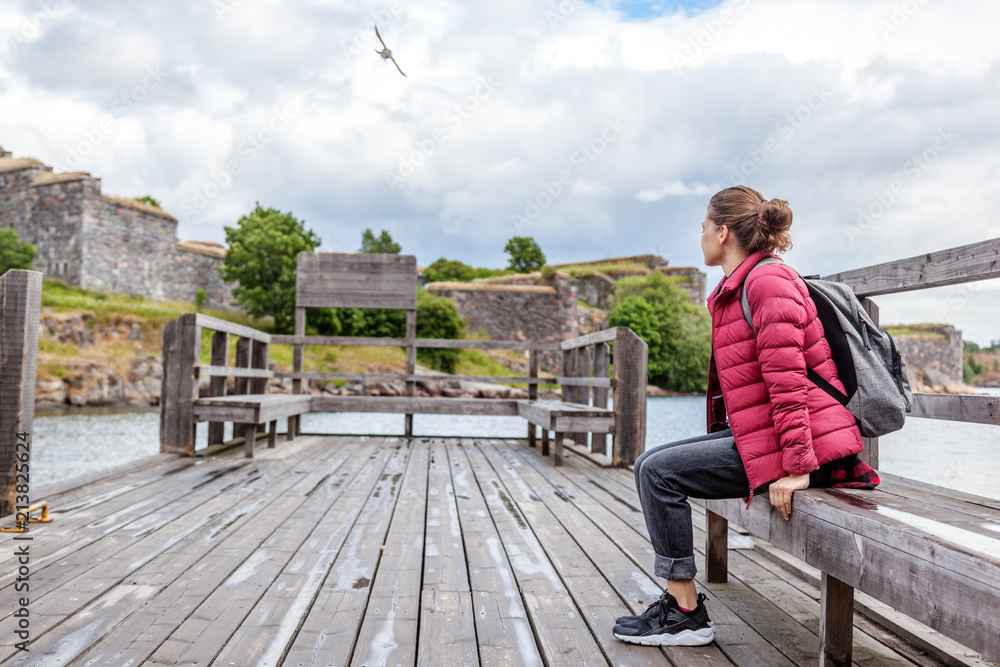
(868, 363)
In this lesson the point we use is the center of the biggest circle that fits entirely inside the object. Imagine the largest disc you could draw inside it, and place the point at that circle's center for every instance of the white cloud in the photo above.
(737, 106)
(675, 188)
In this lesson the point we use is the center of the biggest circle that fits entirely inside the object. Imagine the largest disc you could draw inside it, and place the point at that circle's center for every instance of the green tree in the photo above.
(525, 254)
(679, 334)
(148, 199)
(14, 253)
(199, 298)
(383, 243)
(262, 258)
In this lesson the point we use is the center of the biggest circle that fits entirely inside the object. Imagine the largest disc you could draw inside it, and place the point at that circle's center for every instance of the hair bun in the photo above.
(775, 214)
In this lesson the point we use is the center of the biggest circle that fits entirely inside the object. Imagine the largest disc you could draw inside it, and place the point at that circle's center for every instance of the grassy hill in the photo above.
(112, 317)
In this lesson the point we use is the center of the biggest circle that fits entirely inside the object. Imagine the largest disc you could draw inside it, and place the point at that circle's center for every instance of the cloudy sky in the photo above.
(599, 128)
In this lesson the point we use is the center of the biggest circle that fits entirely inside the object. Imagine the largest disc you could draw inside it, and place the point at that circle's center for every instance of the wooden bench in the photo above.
(562, 418)
(253, 410)
(929, 552)
(336, 280)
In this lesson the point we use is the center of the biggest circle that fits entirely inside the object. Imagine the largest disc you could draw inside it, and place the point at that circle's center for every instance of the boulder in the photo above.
(91, 384)
(68, 328)
(50, 392)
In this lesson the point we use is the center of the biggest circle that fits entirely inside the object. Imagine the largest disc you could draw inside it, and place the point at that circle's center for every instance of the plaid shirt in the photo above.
(849, 472)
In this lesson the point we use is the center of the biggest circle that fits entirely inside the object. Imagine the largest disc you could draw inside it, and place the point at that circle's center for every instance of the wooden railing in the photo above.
(588, 358)
(583, 380)
(20, 305)
(964, 264)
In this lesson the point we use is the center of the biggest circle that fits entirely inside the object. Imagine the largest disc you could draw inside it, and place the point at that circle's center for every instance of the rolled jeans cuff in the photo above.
(674, 569)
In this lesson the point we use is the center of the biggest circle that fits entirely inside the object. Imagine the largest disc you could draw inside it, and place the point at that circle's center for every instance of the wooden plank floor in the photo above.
(382, 551)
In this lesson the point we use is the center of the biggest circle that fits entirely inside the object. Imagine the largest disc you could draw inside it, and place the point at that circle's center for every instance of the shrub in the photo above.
(678, 333)
(449, 270)
(437, 317)
(199, 298)
(14, 253)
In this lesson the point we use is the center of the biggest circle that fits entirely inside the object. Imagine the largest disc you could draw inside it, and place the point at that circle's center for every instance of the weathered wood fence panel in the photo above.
(964, 264)
(20, 307)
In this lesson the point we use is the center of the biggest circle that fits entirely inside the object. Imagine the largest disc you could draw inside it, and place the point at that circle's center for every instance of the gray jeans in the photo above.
(708, 467)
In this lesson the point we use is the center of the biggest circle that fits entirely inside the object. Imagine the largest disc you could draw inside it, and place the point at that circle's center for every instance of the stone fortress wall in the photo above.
(99, 242)
(933, 355)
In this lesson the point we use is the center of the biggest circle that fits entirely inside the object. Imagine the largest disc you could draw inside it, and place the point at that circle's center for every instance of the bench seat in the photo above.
(908, 544)
(253, 409)
(563, 417)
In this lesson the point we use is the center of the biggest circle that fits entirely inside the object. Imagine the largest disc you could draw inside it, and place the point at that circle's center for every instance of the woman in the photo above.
(770, 428)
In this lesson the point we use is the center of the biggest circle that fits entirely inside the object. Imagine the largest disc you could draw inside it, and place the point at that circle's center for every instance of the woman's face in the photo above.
(711, 243)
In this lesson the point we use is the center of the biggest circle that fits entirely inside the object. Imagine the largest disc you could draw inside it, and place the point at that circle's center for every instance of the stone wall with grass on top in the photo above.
(98, 242)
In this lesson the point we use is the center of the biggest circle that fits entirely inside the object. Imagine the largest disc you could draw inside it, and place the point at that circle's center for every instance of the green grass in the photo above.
(62, 297)
(610, 267)
(925, 331)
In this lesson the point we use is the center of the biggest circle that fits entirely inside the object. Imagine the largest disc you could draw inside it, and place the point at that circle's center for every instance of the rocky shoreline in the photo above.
(87, 383)
(137, 380)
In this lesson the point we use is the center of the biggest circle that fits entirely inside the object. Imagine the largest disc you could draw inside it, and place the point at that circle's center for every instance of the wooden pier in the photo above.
(338, 550)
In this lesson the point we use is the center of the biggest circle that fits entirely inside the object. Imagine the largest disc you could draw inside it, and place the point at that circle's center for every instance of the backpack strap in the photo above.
(817, 379)
(744, 300)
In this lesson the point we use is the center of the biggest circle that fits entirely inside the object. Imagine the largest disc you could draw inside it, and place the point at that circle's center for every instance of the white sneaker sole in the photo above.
(683, 638)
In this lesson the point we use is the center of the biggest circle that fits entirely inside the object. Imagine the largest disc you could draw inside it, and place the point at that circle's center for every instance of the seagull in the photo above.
(386, 53)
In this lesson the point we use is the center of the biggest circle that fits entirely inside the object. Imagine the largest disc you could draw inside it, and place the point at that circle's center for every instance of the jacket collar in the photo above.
(733, 281)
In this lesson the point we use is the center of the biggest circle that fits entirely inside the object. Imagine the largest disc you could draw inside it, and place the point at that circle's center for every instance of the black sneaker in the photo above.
(669, 626)
(651, 611)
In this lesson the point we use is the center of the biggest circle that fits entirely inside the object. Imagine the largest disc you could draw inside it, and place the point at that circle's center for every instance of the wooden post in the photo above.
(180, 354)
(716, 549)
(870, 453)
(836, 622)
(566, 393)
(557, 450)
(217, 385)
(411, 363)
(249, 437)
(297, 355)
(242, 361)
(631, 357)
(581, 395)
(20, 307)
(532, 392)
(545, 441)
(272, 434)
(258, 359)
(602, 367)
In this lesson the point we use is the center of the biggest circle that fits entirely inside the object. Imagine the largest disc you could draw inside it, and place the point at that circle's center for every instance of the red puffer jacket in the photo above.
(783, 424)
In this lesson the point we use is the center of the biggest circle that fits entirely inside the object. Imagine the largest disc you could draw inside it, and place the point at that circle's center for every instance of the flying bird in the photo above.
(386, 53)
